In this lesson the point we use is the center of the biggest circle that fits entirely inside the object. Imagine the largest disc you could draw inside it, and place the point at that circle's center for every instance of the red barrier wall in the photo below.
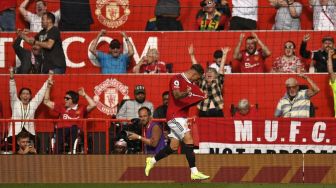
(173, 47)
(141, 11)
(245, 169)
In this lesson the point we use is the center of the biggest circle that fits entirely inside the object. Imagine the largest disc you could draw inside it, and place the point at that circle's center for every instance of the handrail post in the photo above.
(85, 136)
(107, 143)
(13, 137)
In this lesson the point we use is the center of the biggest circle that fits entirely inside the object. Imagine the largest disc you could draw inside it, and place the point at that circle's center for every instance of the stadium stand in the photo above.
(263, 134)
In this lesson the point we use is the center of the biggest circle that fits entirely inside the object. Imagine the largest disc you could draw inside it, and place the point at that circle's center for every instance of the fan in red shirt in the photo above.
(245, 110)
(67, 131)
(150, 63)
(251, 60)
(183, 93)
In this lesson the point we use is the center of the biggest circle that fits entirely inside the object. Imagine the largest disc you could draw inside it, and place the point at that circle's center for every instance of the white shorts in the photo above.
(178, 127)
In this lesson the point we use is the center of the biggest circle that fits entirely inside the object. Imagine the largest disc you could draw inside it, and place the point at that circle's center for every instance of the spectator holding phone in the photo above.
(25, 146)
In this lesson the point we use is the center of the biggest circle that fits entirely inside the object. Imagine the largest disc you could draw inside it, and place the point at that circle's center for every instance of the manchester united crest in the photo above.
(112, 13)
(109, 89)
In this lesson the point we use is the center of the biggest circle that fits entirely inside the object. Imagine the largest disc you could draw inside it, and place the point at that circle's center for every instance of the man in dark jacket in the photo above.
(30, 59)
(49, 39)
(319, 56)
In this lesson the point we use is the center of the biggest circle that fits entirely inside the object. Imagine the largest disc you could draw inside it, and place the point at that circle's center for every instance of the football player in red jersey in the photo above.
(183, 93)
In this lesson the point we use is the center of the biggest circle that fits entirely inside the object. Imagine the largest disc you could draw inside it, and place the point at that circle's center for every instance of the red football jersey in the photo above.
(252, 63)
(156, 67)
(253, 113)
(178, 108)
(77, 112)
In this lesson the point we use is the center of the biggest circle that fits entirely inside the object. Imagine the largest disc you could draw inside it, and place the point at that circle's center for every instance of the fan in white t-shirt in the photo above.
(35, 19)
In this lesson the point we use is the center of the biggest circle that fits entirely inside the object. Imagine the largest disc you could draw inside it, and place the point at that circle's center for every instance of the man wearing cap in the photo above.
(296, 103)
(319, 56)
(129, 109)
(113, 62)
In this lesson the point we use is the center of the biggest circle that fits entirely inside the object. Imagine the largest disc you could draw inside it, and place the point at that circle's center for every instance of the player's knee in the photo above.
(188, 141)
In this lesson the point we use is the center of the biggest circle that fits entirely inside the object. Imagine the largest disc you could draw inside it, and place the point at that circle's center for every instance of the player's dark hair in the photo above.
(198, 68)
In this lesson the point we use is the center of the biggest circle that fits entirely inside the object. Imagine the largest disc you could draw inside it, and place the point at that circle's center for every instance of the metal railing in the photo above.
(106, 130)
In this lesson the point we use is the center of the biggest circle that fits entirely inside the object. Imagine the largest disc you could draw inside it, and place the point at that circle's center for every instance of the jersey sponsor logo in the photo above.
(249, 65)
(176, 84)
(112, 13)
(66, 116)
(109, 89)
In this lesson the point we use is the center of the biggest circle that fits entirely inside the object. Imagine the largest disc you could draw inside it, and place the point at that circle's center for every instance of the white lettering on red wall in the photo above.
(269, 136)
(3, 52)
(152, 42)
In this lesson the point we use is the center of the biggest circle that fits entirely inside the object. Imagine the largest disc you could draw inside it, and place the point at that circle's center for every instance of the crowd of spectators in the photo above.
(47, 51)
(76, 15)
(47, 56)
